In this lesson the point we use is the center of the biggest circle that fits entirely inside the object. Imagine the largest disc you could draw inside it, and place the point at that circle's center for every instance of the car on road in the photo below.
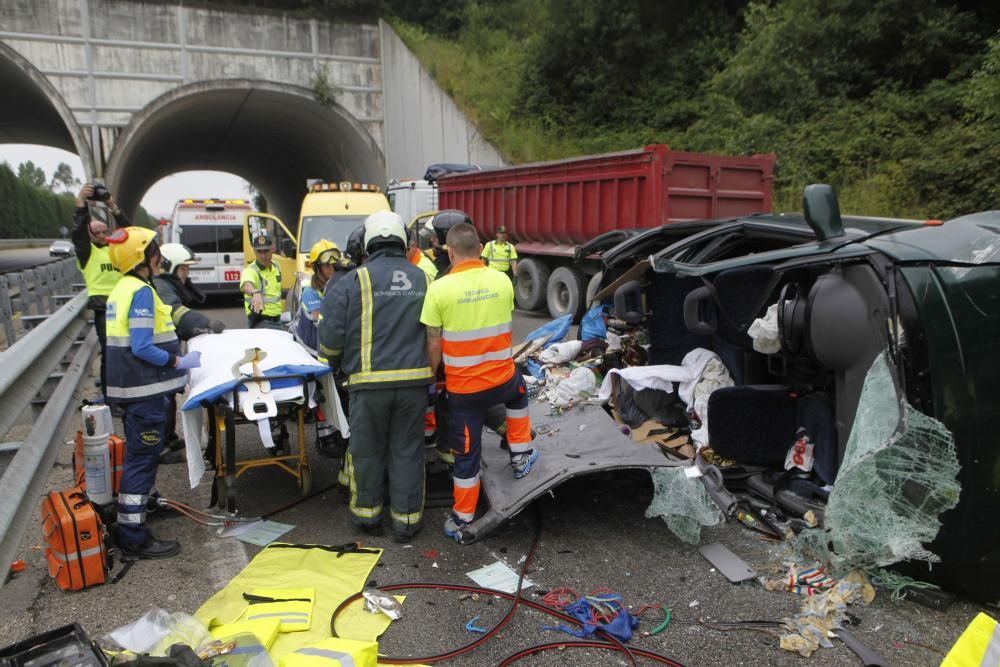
(846, 291)
(61, 248)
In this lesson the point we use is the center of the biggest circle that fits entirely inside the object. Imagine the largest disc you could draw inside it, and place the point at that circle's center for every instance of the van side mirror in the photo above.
(822, 212)
(287, 248)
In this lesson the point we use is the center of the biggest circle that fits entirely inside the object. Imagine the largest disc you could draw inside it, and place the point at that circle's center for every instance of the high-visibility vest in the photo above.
(100, 274)
(474, 304)
(335, 652)
(499, 255)
(268, 281)
(420, 259)
(129, 377)
(978, 646)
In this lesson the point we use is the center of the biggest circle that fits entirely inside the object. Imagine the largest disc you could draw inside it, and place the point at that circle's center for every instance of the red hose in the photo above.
(524, 653)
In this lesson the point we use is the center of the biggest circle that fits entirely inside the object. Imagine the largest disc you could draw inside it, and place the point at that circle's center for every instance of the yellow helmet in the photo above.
(131, 246)
(319, 253)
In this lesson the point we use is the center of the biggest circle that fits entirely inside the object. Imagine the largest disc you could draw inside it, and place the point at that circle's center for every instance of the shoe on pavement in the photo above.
(400, 537)
(152, 548)
(370, 531)
(522, 463)
(453, 527)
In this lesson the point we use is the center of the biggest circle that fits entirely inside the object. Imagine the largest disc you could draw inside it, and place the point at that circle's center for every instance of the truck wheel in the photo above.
(593, 287)
(566, 292)
(532, 277)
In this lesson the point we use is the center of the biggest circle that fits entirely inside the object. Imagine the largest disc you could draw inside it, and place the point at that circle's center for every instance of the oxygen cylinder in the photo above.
(96, 453)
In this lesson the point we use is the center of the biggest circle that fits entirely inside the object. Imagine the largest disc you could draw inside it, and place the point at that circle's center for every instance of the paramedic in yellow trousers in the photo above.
(260, 283)
(90, 243)
(144, 366)
(468, 314)
(370, 329)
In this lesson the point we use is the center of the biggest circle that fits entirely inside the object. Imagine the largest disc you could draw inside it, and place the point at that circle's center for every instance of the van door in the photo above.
(255, 223)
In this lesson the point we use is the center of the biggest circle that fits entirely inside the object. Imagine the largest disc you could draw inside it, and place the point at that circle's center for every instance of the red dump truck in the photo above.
(549, 208)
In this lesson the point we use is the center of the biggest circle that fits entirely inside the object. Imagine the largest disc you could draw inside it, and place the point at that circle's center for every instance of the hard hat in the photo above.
(130, 247)
(177, 254)
(318, 250)
(384, 226)
(445, 220)
(355, 247)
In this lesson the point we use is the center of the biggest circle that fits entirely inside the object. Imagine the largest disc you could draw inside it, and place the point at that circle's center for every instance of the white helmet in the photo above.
(176, 254)
(384, 226)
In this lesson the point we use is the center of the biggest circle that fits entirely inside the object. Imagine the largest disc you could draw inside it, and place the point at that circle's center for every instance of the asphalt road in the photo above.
(593, 534)
(23, 258)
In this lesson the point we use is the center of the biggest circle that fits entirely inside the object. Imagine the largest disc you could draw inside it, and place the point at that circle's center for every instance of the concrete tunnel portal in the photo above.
(275, 136)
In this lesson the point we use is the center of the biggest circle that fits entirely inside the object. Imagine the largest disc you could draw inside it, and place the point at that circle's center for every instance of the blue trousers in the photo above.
(144, 438)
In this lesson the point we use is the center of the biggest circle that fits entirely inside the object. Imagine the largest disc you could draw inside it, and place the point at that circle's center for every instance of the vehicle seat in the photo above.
(670, 339)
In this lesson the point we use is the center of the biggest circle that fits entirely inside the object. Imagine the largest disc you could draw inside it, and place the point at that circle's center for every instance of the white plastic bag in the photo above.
(764, 332)
(578, 387)
(158, 630)
(560, 353)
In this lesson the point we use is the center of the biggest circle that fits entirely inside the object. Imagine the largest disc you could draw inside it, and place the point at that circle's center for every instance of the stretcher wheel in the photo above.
(219, 491)
(305, 480)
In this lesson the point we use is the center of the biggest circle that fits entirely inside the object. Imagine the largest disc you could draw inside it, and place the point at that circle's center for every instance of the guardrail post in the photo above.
(7, 311)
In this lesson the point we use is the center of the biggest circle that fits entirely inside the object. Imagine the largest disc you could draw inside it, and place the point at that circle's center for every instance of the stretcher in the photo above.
(253, 376)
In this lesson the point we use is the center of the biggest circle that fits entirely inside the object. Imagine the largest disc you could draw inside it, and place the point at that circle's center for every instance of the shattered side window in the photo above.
(682, 503)
(898, 475)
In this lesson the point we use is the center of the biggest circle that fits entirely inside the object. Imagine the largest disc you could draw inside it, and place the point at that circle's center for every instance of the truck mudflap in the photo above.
(581, 441)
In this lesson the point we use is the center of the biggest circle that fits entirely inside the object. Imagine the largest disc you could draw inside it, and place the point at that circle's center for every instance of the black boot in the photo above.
(152, 548)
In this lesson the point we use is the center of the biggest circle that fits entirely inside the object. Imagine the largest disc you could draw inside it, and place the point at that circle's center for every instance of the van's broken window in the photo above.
(899, 474)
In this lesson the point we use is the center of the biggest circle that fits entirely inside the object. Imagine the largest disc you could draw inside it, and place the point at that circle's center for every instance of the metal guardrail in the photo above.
(27, 366)
(13, 244)
(27, 295)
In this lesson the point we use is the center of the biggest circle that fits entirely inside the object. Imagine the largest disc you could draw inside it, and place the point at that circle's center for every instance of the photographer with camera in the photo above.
(90, 241)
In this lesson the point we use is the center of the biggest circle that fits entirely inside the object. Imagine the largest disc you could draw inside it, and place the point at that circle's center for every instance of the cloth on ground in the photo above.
(714, 376)
(578, 387)
(621, 626)
(592, 325)
(334, 574)
(556, 330)
(560, 353)
(662, 377)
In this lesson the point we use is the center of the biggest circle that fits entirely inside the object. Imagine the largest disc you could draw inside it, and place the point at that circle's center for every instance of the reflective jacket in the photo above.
(370, 324)
(129, 329)
(473, 307)
(334, 652)
(94, 261)
(180, 296)
(267, 281)
(499, 255)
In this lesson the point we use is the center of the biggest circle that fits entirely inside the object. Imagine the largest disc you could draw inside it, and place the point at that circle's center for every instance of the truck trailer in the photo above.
(550, 208)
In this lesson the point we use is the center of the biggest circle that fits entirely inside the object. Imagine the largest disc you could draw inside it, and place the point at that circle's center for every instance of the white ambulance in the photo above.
(213, 229)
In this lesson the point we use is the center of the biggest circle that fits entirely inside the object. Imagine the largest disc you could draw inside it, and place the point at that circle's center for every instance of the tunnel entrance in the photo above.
(33, 112)
(274, 136)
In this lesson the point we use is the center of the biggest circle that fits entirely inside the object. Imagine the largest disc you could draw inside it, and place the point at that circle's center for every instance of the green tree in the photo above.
(63, 176)
(30, 174)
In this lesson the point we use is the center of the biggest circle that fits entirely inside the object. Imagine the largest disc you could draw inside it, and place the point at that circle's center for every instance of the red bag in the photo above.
(76, 540)
(117, 458)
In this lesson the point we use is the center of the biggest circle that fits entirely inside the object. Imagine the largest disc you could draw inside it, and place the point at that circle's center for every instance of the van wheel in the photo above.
(593, 287)
(566, 292)
(532, 278)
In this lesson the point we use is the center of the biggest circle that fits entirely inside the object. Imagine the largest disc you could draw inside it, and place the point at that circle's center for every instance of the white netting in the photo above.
(898, 475)
(682, 503)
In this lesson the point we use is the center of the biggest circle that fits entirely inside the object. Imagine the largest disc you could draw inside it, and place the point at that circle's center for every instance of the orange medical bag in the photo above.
(76, 540)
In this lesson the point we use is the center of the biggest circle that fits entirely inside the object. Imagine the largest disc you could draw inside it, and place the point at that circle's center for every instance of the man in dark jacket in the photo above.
(175, 289)
(370, 330)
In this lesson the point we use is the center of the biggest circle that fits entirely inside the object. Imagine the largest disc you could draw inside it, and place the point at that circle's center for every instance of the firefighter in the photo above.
(90, 242)
(144, 367)
(469, 324)
(501, 255)
(260, 283)
(174, 287)
(371, 330)
(328, 266)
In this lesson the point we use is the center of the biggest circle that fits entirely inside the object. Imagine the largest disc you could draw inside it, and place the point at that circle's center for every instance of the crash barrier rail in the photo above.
(14, 244)
(27, 296)
(36, 373)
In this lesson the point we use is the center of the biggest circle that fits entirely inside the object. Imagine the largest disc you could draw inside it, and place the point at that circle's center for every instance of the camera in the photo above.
(100, 193)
